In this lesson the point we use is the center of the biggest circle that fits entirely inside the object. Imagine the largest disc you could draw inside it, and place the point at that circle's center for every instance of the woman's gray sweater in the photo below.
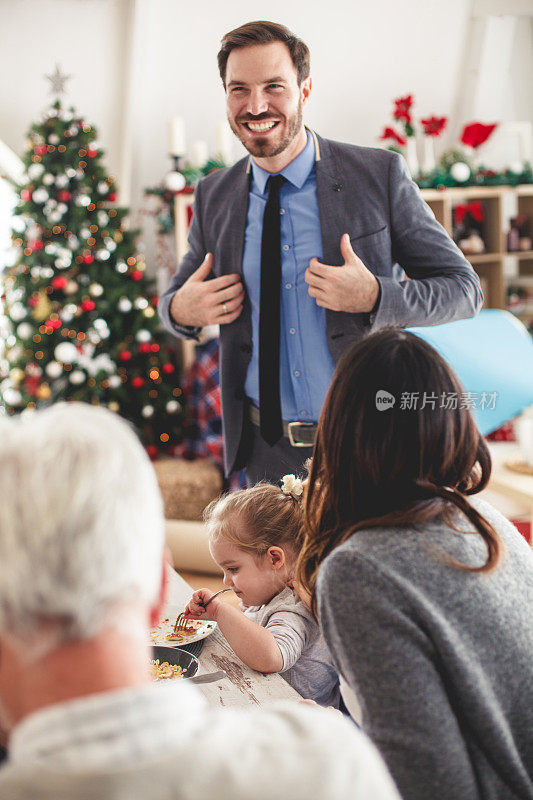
(441, 660)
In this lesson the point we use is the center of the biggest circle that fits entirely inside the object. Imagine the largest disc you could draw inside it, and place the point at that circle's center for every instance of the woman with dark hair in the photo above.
(423, 593)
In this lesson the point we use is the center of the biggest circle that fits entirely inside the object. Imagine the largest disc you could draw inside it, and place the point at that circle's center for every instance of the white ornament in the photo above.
(516, 167)
(47, 272)
(14, 354)
(48, 179)
(174, 182)
(124, 305)
(141, 302)
(86, 233)
(83, 200)
(173, 406)
(17, 312)
(96, 289)
(147, 412)
(66, 352)
(143, 335)
(73, 242)
(35, 171)
(51, 249)
(62, 208)
(102, 218)
(460, 172)
(103, 187)
(55, 216)
(102, 255)
(68, 312)
(114, 381)
(24, 330)
(121, 267)
(12, 397)
(54, 369)
(61, 181)
(70, 172)
(101, 326)
(110, 244)
(63, 263)
(76, 377)
(79, 175)
(53, 138)
(40, 195)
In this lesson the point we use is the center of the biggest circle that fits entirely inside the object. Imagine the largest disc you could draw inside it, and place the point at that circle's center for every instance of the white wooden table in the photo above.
(243, 686)
(511, 484)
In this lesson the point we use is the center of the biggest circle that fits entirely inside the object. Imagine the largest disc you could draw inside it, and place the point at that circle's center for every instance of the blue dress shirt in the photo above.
(306, 365)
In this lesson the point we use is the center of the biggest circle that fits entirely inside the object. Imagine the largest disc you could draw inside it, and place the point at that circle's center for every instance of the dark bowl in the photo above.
(178, 658)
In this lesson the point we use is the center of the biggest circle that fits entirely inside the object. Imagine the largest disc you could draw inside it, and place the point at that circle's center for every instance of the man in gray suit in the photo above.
(350, 220)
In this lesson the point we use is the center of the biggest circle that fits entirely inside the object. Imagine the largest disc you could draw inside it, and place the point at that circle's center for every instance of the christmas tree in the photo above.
(83, 324)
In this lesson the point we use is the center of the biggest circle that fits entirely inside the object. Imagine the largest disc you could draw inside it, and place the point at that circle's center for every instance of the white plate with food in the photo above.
(163, 633)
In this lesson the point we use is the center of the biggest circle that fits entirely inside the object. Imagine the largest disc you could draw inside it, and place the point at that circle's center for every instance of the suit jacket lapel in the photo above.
(330, 187)
(239, 210)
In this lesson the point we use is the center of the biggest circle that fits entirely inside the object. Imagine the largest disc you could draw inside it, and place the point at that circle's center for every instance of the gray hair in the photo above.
(81, 521)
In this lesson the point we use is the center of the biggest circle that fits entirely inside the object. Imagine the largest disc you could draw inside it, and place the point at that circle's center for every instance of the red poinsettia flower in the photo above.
(402, 108)
(476, 133)
(390, 133)
(433, 126)
(475, 209)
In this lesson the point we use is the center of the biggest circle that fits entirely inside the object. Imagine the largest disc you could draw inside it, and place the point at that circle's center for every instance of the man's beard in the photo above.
(268, 149)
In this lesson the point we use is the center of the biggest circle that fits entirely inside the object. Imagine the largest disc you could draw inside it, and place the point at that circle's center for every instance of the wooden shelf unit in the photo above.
(497, 202)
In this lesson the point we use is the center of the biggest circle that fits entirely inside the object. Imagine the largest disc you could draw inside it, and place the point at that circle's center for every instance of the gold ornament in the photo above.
(43, 307)
(17, 374)
(113, 406)
(149, 312)
(44, 392)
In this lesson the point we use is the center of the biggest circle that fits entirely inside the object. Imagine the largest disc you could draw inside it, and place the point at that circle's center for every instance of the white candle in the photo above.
(176, 137)
(199, 154)
(224, 142)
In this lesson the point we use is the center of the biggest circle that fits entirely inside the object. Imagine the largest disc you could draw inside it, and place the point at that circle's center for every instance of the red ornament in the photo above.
(152, 451)
(136, 275)
(53, 323)
(112, 196)
(402, 108)
(40, 149)
(64, 196)
(25, 194)
(37, 244)
(168, 368)
(87, 258)
(155, 301)
(33, 300)
(433, 126)
(87, 305)
(124, 355)
(154, 348)
(390, 133)
(60, 282)
(476, 133)
(144, 348)
(137, 382)
(92, 153)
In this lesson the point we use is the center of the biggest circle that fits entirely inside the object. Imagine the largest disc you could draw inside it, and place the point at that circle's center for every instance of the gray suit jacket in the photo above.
(362, 191)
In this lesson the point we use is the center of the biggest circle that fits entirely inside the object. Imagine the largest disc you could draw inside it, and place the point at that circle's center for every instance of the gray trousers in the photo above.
(265, 463)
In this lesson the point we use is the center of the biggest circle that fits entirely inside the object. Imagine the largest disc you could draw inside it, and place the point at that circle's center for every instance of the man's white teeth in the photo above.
(259, 127)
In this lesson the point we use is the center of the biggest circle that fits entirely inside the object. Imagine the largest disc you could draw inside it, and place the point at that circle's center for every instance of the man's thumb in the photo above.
(346, 249)
(204, 269)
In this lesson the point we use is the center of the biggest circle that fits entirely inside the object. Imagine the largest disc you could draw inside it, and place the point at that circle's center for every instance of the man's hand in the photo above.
(201, 302)
(351, 287)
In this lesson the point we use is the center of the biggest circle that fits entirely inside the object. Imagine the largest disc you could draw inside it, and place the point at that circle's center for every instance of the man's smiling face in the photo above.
(263, 99)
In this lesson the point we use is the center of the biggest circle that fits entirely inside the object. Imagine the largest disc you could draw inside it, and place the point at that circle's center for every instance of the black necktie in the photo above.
(269, 317)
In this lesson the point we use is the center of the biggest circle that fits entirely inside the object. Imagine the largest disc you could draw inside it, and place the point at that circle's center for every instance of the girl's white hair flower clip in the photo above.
(290, 484)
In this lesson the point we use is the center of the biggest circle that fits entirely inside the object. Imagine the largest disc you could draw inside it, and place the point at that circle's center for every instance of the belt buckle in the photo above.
(291, 426)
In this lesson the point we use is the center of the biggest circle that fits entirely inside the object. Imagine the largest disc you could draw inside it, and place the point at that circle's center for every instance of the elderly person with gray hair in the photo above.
(81, 582)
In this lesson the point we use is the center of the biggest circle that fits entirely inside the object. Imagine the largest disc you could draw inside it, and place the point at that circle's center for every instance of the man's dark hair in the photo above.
(262, 32)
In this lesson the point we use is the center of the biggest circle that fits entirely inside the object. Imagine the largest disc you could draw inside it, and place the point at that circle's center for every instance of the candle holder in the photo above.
(177, 160)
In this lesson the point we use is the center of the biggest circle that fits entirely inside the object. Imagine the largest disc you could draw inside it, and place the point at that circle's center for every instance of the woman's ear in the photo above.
(276, 557)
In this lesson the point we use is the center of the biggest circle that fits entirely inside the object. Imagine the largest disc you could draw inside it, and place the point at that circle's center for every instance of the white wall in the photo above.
(136, 63)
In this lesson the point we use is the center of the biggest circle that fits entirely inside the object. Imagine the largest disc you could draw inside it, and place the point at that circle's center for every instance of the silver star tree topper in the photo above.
(58, 80)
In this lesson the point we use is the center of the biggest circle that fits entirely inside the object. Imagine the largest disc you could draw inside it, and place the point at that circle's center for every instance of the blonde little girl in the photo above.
(255, 536)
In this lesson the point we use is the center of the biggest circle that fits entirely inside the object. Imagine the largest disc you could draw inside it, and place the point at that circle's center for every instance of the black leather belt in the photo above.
(299, 434)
